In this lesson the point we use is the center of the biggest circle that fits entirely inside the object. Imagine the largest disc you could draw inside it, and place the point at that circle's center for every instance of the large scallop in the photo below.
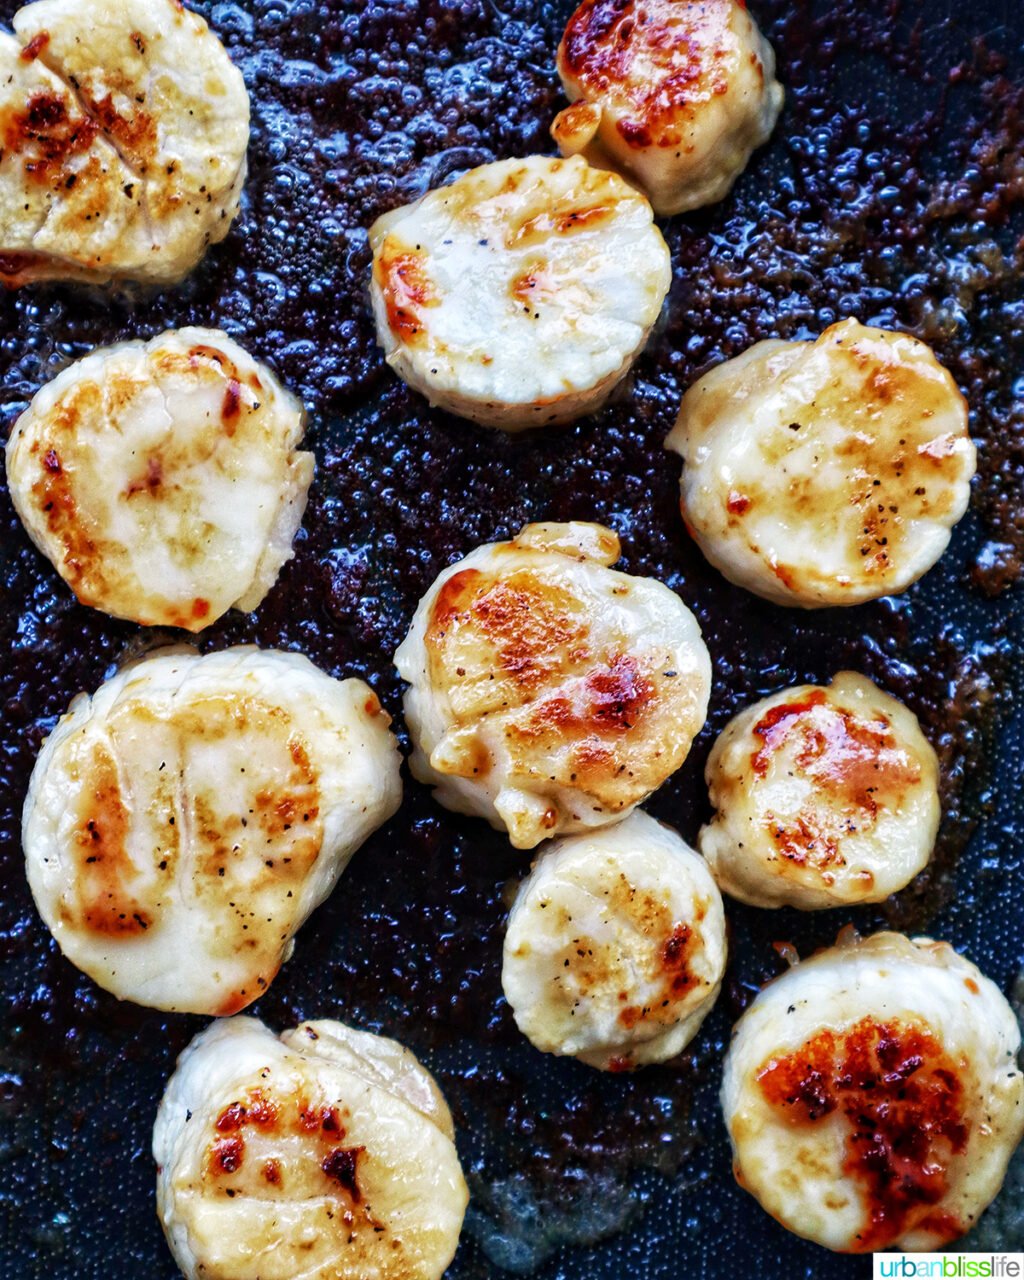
(615, 948)
(675, 94)
(183, 821)
(873, 1095)
(549, 693)
(823, 796)
(125, 128)
(163, 479)
(829, 472)
(324, 1153)
(520, 295)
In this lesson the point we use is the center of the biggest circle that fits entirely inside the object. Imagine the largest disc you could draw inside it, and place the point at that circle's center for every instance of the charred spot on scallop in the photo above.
(214, 801)
(161, 485)
(519, 295)
(548, 692)
(902, 1098)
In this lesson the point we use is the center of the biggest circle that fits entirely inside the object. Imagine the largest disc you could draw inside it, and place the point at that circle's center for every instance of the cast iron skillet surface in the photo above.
(893, 191)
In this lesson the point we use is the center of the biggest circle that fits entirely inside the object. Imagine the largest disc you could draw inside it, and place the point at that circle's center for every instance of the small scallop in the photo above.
(828, 472)
(162, 479)
(126, 127)
(550, 694)
(873, 1095)
(615, 947)
(824, 797)
(675, 94)
(520, 295)
(326, 1153)
(183, 822)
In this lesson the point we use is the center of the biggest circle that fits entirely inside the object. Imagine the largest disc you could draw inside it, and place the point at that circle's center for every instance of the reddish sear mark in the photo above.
(271, 1172)
(658, 69)
(135, 131)
(784, 575)
(776, 725)
(16, 268)
(807, 840)
(903, 1102)
(232, 406)
(35, 46)
(235, 1002)
(258, 1111)
(942, 1224)
(675, 955)
(406, 289)
(530, 287)
(151, 481)
(454, 598)
(674, 960)
(526, 620)
(200, 607)
(612, 700)
(854, 758)
(738, 504)
(856, 761)
(342, 1166)
(617, 695)
(104, 865)
(554, 222)
(325, 1119)
(227, 1154)
(52, 462)
(231, 1118)
(45, 136)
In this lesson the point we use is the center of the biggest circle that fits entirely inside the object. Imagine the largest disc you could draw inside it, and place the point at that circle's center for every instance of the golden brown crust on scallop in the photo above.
(826, 472)
(675, 94)
(550, 693)
(660, 60)
(124, 128)
(823, 796)
(127, 469)
(521, 646)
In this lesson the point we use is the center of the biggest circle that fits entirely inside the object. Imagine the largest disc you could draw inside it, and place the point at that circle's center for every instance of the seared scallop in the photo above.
(675, 94)
(549, 693)
(162, 479)
(615, 947)
(824, 797)
(125, 129)
(520, 295)
(326, 1153)
(828, 472)
(183, 822)
(873, 1095)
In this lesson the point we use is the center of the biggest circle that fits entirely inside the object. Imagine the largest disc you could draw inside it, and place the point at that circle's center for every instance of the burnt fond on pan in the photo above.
(893, 191)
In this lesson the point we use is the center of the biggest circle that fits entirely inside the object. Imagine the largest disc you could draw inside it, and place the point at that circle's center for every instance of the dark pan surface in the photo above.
(894, 191)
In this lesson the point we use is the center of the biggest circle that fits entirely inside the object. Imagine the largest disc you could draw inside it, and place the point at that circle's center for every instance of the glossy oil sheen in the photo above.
(893, 191)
